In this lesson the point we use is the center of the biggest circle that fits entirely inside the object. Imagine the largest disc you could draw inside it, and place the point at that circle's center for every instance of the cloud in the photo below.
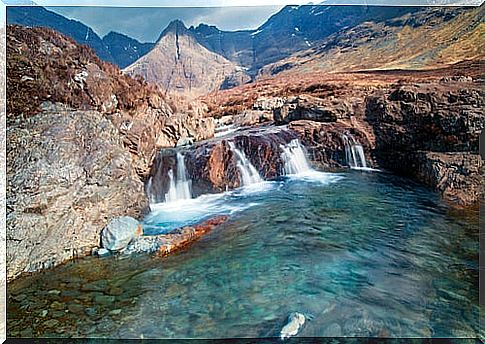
(146, 23)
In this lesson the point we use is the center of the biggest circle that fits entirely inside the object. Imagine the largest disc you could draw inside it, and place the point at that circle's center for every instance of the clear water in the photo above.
(366, 254)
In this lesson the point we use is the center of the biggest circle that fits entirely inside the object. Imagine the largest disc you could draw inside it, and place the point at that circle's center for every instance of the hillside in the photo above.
(37, 16)
(125, 50)
(178, 63)
(431, 38)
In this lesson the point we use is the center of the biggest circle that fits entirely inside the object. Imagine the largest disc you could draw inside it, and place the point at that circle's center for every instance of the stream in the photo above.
(362, 253)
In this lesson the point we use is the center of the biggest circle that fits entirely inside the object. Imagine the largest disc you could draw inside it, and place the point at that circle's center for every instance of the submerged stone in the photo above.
(294, 325)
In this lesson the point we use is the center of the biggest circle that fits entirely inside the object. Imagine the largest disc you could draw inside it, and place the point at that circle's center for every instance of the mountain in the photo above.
(125, 50)
(37, 16)
(292, 29)
(178, 63)
(431, 38)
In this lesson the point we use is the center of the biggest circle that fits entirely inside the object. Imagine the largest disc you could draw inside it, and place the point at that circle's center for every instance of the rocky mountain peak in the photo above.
(177, 27)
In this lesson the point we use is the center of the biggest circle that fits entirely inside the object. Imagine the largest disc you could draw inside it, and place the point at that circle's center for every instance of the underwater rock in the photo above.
(167, 243)
(120, 232)
(294, 325)
(100, 252)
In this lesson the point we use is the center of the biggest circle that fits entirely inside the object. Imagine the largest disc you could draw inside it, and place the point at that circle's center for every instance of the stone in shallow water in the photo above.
(120, 232)
(91, 311)
(75, 308)
(100, 285)
(333, 330)
(101, 252)
(104, 299)
(115, 312)
(51, 323)
(294, 325)
(57, 305)
(115, 291)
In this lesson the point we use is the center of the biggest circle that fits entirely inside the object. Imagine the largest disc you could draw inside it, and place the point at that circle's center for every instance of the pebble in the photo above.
(54, 291)
(104, 299)
(116, 291)
(44, 313)
(19, 297)
(115, 312)
(57, 314)
(57, 305)
(27, 333)
(75, 308)
(91, 311)
(51, 323)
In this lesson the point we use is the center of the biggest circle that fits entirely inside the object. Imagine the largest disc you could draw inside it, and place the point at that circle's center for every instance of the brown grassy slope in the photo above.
(430, 39)
(327, 85)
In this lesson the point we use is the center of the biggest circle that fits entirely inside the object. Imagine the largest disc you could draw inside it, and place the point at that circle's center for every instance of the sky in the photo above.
(145, 24)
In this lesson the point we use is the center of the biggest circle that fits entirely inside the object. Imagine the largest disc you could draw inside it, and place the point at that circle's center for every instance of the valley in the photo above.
(170, 189)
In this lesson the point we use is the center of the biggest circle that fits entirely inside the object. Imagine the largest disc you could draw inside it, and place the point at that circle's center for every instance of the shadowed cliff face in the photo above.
(212, 166)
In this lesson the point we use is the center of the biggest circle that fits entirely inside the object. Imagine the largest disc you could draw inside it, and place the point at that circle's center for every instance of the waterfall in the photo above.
(249, 174)
(354, 153)
(179, 188)
(294, 158)
(148, 191)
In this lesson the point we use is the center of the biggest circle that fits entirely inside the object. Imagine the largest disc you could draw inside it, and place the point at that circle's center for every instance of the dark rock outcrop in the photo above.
(310, 108)
(68, 174)
(431, 132)
(325, 142)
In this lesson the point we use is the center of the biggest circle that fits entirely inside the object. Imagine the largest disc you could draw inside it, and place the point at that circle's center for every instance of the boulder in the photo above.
(119, 232)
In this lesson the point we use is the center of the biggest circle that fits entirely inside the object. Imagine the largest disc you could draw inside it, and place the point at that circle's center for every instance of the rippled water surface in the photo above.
(364, 253)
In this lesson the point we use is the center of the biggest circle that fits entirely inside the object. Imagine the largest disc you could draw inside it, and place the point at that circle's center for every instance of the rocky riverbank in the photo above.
(425, 125)
(81, 138)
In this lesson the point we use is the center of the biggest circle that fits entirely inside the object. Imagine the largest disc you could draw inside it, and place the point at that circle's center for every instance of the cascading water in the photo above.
(249, 174)
(354, 153)
(294, 158)
(179, 188)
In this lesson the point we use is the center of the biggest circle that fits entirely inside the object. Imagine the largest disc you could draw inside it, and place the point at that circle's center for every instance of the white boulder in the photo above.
(119, 232)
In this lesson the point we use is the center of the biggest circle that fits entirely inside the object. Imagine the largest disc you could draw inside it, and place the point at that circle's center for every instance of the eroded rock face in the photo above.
(212, 165)
(431, 132)
(436, 117)
(68, 174)
(456, 175)
(326, 144)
